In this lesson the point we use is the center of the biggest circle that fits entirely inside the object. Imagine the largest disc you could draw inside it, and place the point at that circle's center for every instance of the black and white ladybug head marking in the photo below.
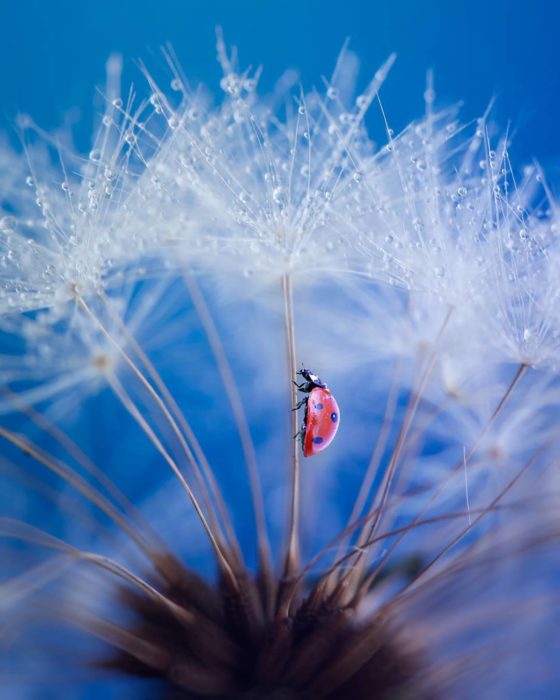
(312, 378)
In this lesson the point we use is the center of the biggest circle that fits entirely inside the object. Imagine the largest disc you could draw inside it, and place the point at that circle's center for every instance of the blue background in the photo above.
(52, 54)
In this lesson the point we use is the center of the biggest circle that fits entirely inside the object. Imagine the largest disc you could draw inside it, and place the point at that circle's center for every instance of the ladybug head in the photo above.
(312, 378)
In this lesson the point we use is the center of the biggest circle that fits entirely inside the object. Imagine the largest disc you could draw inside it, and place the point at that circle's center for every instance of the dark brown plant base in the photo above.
(236, 645)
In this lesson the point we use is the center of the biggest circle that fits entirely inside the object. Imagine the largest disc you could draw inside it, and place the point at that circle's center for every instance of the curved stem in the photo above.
(240, 418)
(190, 436)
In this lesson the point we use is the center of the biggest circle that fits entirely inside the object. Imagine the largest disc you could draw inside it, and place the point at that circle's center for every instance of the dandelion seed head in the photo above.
(201, 250)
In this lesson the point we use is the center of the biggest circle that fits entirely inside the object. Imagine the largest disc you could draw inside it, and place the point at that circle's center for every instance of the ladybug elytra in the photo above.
(322, 414)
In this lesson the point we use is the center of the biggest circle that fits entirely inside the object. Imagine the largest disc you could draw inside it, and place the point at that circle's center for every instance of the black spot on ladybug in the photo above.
(334, 417)
(317, 440)
(319, 406)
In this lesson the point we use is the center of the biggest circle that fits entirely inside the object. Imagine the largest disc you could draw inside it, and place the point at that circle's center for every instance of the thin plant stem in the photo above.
(379, 538)
(353, 573)
(382, 438)
(491, 506)
(216, 533)
(293, 550)
(26, 532)
(373, 465)
(188, 433)
(214, 537)
(240, 418)
(71, 477)
(83, 460)
(505, 397)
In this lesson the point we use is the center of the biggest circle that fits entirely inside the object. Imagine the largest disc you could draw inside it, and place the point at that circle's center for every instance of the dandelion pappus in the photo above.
(322, 414)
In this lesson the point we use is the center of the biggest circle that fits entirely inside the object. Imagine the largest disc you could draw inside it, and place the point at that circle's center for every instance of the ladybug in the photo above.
(322, 414)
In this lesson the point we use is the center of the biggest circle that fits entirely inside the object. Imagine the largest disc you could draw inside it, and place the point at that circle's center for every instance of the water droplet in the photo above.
(278, 194)
(176, 84)
(429, 96)
(230, 84)
(29, 181)
(7, 223)
(117, 102)
(332, 93)
(95, 155)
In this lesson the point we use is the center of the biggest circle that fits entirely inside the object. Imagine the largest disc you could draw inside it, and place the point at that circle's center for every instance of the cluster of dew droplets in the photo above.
(429, 217)
(250, 186)
(260, 187)
(63, 234)
(255, 187)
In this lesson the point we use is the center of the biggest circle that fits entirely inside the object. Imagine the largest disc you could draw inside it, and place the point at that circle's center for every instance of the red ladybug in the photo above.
(321, 414)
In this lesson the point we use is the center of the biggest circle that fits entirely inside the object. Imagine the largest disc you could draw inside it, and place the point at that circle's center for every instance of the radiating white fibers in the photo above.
(145, 293)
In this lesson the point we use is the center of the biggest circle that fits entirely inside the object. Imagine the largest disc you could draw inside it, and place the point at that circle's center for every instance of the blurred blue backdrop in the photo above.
(52, 54)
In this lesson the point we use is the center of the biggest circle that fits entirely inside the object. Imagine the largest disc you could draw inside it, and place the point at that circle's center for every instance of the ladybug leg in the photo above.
(301, 386)
(302, 432)
(302, 402)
